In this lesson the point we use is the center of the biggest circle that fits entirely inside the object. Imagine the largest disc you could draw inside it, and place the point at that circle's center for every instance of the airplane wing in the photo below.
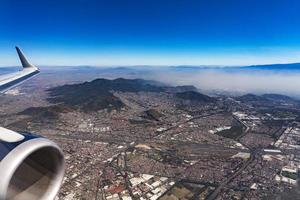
(31, 167)
(12, 80)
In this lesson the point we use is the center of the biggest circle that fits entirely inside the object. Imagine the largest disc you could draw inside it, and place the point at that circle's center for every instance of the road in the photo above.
(185, 122)
(216, 192)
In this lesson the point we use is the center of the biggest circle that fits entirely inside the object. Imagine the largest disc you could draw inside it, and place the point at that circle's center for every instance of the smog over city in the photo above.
(220, 79)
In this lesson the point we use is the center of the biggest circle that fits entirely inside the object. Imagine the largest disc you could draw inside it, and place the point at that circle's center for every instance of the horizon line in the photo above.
(148, 65)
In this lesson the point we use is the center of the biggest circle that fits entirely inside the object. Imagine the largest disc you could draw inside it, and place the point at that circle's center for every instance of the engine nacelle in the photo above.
(31, 167)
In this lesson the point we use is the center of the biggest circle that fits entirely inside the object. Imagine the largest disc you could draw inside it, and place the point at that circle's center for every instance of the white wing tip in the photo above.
(7, 135)
(23, 59)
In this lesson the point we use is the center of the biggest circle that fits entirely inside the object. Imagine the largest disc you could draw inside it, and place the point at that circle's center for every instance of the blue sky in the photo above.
(151, 32)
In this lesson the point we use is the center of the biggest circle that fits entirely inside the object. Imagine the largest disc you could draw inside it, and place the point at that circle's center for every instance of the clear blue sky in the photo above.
(154, 32)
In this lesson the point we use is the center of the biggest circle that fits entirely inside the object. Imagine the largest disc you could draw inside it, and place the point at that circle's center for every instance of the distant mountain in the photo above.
(270, 67)
(187, 68)
(251, 97)
(195, 96)
(275, 67)
(265, 98)
(98, 94)
(277, 97)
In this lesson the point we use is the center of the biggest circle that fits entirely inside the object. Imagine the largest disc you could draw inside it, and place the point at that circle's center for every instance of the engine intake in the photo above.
(33, 170)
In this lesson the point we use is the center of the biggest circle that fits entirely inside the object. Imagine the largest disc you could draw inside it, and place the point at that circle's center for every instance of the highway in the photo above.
(216, 192)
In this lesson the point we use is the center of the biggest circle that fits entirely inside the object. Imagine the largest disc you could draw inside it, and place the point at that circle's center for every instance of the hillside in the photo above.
(45, 113)
(98, 94)
(277, 97)
(195, 96)
(252, 97)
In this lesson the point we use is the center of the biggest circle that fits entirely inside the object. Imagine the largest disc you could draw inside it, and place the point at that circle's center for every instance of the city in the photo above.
(144, 141)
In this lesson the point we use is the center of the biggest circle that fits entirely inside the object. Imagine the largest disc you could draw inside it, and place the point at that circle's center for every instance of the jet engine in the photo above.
(31, 167)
